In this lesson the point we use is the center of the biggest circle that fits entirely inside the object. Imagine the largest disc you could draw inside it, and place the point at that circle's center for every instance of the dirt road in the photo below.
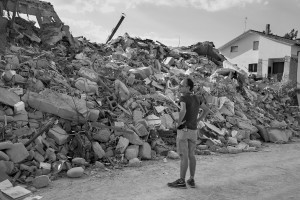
(273, 173)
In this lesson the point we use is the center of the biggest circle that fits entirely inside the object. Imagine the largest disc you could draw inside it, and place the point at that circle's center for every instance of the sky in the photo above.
(178, 22)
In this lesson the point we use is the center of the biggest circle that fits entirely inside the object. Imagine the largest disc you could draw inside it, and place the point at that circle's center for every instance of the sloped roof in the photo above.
(275, 38)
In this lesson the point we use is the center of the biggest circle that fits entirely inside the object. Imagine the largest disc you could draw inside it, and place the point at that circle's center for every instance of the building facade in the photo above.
(264, 54)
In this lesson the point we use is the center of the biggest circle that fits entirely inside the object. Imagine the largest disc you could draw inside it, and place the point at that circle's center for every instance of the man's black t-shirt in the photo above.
(192, 103)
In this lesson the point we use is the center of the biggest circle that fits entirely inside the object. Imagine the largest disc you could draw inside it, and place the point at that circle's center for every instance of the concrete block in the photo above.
(132, 137)
(109, 153)
(102, 135)
(122, 90)
(33, 123)
(75, 172)
(50, 155)
(7, 166)
(6, 145)
(61, 105)
(86, 86)
(141, 73)
(100, 153)
(8, 98)
(245, 125)
(4, 156)
(167, 121)
(143, 121)
(112, 102)
(21, 118)
(35, 115)
(46, 168)
(18, 107)
(122, 144)
(141, 130)
(89, 74)
(9, 112)
(17, 153)
(23, 132)
(39, 148)
(131, 152)
(145, 151)
(232, 141)
(59, 135)
(78, 161)
(137, 115)
(169, 61)
(41, 181)
(38, 157)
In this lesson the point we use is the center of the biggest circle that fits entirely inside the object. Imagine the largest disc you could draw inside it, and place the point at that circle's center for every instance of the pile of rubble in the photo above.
(65, 107)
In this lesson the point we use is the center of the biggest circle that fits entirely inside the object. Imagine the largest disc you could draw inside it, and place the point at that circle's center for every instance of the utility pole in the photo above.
(116, 28)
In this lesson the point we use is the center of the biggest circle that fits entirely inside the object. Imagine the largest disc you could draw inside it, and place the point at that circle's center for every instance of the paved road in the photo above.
(271, 174)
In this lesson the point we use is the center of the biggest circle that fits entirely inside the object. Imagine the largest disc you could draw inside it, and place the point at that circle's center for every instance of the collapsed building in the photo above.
(52, 29)
(80, 104)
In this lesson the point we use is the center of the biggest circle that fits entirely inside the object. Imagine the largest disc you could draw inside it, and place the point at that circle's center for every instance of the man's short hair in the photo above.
(190, 83)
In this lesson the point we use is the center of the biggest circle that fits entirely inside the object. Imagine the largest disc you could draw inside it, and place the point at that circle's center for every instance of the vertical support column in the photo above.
(259, 68)
(293, 69)
(286, 69)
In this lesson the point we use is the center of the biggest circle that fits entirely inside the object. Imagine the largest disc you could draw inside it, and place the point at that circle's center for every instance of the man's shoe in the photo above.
(191, 183)
(180, 183)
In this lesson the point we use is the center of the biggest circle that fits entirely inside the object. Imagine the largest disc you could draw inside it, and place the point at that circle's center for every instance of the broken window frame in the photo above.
(255, 45)
(234, 48)
(252, 67)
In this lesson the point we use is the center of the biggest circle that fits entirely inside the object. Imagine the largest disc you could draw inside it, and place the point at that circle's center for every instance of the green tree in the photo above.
(291, 35)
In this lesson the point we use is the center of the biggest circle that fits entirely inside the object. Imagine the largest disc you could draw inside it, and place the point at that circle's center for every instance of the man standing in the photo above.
(190, 105)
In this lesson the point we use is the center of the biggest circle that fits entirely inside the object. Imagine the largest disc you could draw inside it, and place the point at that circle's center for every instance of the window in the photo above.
(234, 49)
(255, 45)
(252, 67)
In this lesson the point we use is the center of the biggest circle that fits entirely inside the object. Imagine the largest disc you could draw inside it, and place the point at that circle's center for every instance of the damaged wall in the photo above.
(52, 28)
(32, 7)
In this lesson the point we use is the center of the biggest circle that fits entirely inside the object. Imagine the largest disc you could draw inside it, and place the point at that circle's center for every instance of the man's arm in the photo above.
(182, 113)
(204, 113)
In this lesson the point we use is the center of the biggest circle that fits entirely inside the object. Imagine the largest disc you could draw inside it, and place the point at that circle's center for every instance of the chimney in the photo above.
(267, 29)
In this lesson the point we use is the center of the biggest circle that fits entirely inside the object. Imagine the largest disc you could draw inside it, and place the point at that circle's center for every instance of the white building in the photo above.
(264, 54)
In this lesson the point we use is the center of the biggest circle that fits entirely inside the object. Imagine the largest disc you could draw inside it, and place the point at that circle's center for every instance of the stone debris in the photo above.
(67, 104)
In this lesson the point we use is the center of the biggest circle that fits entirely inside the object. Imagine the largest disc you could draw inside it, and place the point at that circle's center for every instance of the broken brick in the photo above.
(59, 135)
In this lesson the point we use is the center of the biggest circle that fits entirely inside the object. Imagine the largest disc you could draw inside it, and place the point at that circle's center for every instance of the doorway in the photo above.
(278, 68)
